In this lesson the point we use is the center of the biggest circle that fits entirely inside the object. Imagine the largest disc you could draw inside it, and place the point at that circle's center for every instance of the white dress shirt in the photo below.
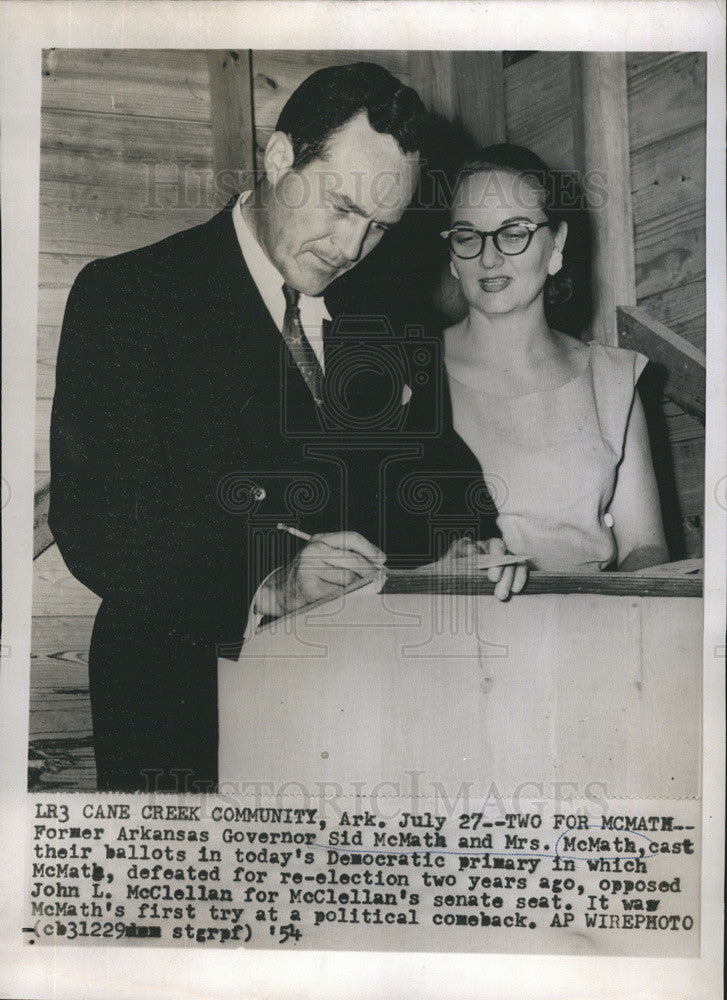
(313, 311)
(269, 283)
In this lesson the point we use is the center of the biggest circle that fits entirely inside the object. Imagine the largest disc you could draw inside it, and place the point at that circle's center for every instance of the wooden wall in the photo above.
(277, 73)
(126, 159)
(664, 120)
(121, 132)
(667, 138)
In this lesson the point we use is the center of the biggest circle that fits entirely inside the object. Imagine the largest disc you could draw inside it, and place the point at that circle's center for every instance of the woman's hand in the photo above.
(507, 579)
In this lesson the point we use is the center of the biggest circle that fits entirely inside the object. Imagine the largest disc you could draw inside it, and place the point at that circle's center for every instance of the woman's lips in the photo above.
(494, 284)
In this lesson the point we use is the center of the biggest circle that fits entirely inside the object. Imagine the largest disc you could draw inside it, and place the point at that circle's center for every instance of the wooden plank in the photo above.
(61, 752)
(683, 309)
(667, 94)
(614, 584)
(668, 177)
(684, 365)
(668, 182)
(309, 60)
(56, 592)
(54, 714)
(606, 149)
(56, 274)
(509, 58)
(59, 639)
(296, 64)
(48, 339)
(669, 254)
(638, 63)
(112, 183)
(554, 142)
(160, 83)
(42, 535)
(681, 426)
(481, 95)
(62, 764)
(92, 218)
(232, 116)
(539, 107)
(433, 77)
(688, 459)
(69, 139)
(693, 534)
(452, 84)
(276, 74)
(42, 435)
(59, 703)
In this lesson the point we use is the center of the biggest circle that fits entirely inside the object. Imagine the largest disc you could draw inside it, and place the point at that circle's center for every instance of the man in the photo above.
(173, 452)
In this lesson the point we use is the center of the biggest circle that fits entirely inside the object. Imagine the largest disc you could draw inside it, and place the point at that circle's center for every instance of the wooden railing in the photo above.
(42, 535)
(684, 365)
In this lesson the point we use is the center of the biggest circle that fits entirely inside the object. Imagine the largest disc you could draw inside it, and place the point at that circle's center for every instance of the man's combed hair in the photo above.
(330, 97)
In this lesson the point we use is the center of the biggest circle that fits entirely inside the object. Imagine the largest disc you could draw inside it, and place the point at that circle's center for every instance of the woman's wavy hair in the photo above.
(560, 195)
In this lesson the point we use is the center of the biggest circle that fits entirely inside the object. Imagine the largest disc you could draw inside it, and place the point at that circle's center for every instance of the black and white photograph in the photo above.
(372, 526)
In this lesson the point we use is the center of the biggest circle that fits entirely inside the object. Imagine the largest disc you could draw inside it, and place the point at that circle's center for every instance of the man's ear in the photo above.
(279, 156)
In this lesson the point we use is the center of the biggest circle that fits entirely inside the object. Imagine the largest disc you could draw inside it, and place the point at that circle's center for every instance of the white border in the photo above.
(26, 28)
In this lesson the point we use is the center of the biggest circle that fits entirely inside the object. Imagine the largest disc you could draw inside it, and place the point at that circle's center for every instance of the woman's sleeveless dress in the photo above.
(550, 458)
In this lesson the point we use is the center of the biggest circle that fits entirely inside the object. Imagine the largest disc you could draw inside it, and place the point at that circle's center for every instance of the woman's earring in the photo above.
(453, 270)
(556, 262)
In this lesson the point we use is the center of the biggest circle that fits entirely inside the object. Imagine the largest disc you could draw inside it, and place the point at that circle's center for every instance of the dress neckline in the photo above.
(471, 383)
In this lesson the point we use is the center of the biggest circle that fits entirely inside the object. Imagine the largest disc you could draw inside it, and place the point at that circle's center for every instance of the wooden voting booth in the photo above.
(581, 680)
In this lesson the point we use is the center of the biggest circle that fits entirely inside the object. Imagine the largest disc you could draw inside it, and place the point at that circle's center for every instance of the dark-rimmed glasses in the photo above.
(468, 242)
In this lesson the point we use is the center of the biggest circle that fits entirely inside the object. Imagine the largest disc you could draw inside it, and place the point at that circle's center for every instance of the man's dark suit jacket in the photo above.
(181, 434)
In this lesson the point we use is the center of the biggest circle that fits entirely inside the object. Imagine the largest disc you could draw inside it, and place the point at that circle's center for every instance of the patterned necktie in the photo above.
(299, 346)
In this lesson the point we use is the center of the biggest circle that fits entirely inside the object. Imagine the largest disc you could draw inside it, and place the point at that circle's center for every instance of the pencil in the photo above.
(295, 531)
(306, 538)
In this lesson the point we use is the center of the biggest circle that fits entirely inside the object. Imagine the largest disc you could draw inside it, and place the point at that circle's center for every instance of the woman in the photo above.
(555, 423)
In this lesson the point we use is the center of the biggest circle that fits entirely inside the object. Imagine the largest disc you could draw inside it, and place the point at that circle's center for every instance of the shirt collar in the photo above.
(269, 280)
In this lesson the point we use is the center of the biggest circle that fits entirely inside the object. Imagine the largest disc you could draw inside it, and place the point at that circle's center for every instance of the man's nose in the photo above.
(490, 256)
(349, 237)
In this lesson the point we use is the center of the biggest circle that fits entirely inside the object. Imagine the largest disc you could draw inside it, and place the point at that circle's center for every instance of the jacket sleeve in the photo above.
(118, 528)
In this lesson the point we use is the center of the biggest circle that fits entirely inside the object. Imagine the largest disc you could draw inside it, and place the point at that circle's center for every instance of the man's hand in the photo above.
(507, 579)
(324, 567)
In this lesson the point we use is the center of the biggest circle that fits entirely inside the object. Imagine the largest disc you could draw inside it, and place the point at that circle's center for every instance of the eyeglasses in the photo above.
(467, 242)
